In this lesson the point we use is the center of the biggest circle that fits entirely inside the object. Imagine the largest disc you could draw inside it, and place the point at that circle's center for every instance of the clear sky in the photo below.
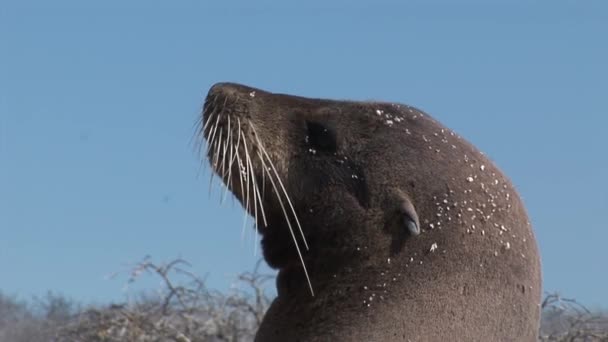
(98, 101)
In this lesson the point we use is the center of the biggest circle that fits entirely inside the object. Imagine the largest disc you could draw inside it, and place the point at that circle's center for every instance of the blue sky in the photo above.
(98, 102)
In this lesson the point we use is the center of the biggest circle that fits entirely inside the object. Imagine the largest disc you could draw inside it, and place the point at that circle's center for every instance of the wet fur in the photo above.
(473, 274)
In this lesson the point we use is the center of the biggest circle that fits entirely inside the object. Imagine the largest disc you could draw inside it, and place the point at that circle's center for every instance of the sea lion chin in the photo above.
(399, 228)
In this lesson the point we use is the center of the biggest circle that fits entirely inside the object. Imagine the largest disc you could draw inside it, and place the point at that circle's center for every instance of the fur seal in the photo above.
(403, 230)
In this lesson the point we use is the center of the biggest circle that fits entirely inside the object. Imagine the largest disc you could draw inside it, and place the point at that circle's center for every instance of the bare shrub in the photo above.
(565, 319)
(23, 322)
(184, 311)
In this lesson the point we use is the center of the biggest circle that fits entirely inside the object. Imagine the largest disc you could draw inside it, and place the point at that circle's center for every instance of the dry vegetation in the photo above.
(187, 310)
(567, 320)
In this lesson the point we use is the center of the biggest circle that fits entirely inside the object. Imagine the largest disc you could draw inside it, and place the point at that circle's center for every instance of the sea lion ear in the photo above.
(409, 217)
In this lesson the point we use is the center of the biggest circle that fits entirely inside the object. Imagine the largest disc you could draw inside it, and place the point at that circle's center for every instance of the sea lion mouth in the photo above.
(237, 154)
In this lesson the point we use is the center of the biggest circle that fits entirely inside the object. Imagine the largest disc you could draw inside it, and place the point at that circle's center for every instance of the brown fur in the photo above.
(473, 273)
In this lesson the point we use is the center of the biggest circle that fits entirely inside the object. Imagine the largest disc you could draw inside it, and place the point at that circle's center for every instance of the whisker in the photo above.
(255, 206)
(293, 236)
(199, 126)
(238, 140)
(199, 133)
(247, 180)
(202, 163)
(241, 178)
(238, 157)
(215, 161)
(281, 184)
(211, 173)
(263, 175)
(212, 136)
(216, 155)
(230, 162)
(258, 189)
(196, 140)
(256, 192)
(256, 196)
(204, 128)
(217, 121)
(261, 147)
(222, 174)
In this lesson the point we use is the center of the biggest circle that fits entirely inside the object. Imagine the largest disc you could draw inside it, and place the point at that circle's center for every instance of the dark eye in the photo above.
(321, 137)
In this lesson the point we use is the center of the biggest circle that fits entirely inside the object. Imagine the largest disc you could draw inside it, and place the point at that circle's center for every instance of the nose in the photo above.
(231, 89)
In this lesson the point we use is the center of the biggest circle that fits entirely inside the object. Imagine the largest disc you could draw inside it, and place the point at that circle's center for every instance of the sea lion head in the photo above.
(311, 160)
(347, 194)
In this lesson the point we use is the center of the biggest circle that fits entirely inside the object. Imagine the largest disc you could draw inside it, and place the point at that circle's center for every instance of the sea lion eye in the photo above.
(321, 137)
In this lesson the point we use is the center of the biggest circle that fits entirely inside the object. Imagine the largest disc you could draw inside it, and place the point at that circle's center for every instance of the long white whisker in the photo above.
(212, 172)
(281, 184)
(255, 206)
(210, 143)
(210, 116)
(215, 160)
(238, 133)
(257, 193)
(216, 156)
(223, 172)
(201, 124)
(263, 174)
(198, 135)
(240, 164)
(230, 162)
(293, 236)
(212, 136)
(241, 178)
(235, 155)
(261, 147)
(224, 150)
(201, 133)
(246, 180)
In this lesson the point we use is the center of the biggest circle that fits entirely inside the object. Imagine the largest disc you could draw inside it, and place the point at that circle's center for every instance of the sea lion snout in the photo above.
(218, 97)
(232, 100)
(231, 89)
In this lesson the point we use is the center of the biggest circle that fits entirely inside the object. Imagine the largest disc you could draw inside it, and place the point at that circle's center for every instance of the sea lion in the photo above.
(384, 225)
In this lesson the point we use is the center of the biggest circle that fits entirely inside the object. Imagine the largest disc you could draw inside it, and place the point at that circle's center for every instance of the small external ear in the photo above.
(401, 218)
(409, 216)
